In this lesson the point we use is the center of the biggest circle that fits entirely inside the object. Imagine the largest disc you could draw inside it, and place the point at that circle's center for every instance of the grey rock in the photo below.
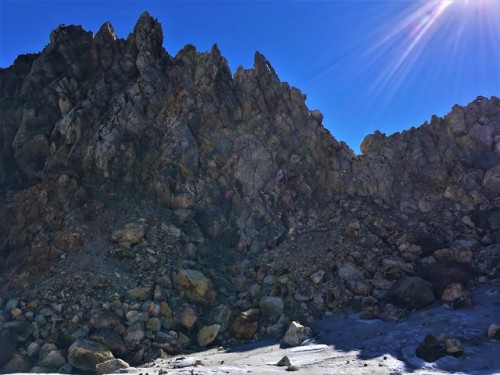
(86, 354)
(411, 293)
(296, 334)
(207, 334)
(111, 366)
(271, 307)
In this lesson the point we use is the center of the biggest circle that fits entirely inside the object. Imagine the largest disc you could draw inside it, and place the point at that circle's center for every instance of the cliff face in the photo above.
(157, 196)
(125, 118)
(454, 158)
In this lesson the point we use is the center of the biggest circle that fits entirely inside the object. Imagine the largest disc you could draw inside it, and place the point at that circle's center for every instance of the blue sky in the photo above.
(366, 65)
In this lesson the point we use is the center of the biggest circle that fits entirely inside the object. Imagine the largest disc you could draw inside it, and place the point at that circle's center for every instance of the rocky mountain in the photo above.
(153, 204)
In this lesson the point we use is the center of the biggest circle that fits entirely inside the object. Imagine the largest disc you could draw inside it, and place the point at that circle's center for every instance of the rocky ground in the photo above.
(345, 344)
(155, 206)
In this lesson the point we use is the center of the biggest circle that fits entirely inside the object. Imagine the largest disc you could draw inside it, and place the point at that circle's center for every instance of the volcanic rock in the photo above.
(411, 293)
(245, 326)
(135, 185)
(86, 354)
(296, 334)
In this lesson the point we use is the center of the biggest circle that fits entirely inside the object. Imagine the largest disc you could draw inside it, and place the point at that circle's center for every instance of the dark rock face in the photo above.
(154, 203)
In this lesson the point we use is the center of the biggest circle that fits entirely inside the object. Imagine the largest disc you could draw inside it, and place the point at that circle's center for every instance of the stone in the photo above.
(132, 233)
(246, 324)
(21, 328)
(221, 315)
(85, 354)
(491, 180)
(430, 242)
(8, 343)
(454, 292)
(453, 346)
(18, 363)
(430, 350)
(348, 271)
(187, 317)
(207, 334)
(296, 334)
(101, 318)
(353, 229)
(111, 366)
(140, 293)
(271, 307)
(494, 331)
(152, 307)
(445, 273)
(195, 285)
(153, 324)
(411, 292)
(52, 360)
(134, 334)
(33, 349)
(110, 339)
(486, 259)
(318, 277)
(393, 313)
(186, 362)
(285, 361)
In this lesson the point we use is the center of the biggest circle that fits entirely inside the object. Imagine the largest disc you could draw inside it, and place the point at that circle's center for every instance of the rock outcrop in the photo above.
(152, 204)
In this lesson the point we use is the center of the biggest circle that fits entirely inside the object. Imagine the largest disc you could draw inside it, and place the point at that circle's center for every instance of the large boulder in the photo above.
(195, 285)
(271, 307)
(296, 334)
(85, 354)
(207, 334)
(245, 326)
(411, 293)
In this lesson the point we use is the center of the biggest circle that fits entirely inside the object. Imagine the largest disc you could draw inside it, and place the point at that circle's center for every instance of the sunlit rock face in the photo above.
(455, 158)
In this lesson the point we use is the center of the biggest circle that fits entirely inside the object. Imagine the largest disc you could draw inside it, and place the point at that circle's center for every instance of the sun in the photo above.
(427, 25)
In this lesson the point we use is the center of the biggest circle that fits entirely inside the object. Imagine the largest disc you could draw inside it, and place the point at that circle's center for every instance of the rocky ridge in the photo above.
(155, 204)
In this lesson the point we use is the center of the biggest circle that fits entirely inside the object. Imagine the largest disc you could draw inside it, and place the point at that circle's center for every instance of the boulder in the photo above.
(187, 317)
(411, 292)
(445, 273)
(85, 354)
(111, 366)
(134, 334)
(195, 285)
(101, 319)
(246, 324)
(207, 334)
(111, 339)
(52, 360)
(271, 307)
(430, 349)
(131, 234)
(494, 331)
(221, 315)
(21, 328)
(296, 334)
(19, 363)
